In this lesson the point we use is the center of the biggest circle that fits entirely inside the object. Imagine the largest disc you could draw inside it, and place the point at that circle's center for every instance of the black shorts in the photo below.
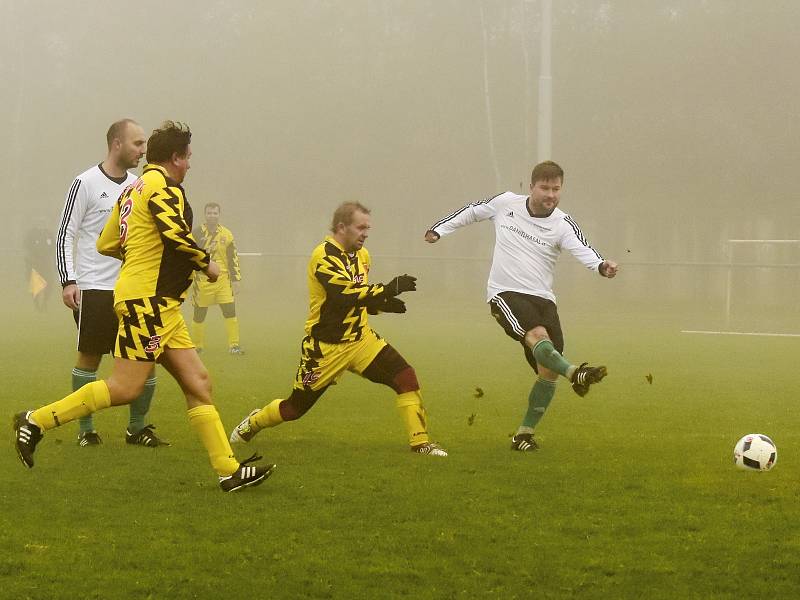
(97, 322)
(518, 313)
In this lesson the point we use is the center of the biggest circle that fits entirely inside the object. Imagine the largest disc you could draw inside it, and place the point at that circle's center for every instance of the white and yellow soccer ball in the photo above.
(755, 452)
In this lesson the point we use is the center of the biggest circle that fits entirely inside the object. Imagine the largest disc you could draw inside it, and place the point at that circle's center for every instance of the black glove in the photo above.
(393, 305)
(400, 284)
(389, 305)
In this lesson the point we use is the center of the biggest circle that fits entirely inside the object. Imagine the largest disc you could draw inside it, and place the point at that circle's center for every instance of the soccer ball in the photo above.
(755, 452)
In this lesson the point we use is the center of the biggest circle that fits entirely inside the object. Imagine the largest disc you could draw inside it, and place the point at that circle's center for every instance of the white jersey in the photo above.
(86, 210)
(526, 247)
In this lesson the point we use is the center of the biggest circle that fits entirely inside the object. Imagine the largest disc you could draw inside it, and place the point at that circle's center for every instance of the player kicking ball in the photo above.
(339, 338)
(530, 232)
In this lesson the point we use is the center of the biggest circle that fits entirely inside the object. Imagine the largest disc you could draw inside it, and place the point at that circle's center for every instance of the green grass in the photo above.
(632, 495)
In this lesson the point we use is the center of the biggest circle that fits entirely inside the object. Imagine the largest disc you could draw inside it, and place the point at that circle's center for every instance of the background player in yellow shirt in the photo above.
(150, 231)
(218, 241)
(339, 338)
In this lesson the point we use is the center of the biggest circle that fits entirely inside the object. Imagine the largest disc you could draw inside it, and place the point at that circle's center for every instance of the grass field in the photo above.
(632, 495)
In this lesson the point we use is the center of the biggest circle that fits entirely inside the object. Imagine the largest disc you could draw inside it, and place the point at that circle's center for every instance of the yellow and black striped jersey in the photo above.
(150, 230)
(339, 293)
(221, 246)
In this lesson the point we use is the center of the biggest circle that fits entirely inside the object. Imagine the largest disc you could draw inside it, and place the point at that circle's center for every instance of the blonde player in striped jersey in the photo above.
(339, 337)
(150, 231)
(218, 241)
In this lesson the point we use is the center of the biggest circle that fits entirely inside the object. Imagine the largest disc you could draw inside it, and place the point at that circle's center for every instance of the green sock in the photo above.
(141, 406)
(538, 400)
(80, 377)
(548, 357)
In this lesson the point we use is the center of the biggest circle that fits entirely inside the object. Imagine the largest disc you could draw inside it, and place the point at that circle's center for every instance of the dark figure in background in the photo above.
(38, 265)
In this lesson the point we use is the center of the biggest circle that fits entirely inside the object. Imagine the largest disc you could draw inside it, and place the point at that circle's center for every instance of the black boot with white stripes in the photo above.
(245, 475)
(584, 376)
(145, 437)
(26, 436)
(524, 442)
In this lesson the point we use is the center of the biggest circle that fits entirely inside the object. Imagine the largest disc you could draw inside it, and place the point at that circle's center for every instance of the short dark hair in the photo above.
(211, 205)
(547, 171)
(172, 137)
(117, 130)
(344, 214)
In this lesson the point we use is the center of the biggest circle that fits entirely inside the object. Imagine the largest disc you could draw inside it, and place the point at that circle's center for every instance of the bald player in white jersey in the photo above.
(88, 277)
(530, 233)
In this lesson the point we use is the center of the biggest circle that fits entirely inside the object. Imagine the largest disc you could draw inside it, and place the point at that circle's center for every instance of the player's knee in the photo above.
(203, 387)
(405, 381)
(228, 310)
(199, 314)
(536, 335)
(390, 368)
(123, 392)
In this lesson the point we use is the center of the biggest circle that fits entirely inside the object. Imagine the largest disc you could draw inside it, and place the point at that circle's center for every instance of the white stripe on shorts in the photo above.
(80, 318)
(512, 320)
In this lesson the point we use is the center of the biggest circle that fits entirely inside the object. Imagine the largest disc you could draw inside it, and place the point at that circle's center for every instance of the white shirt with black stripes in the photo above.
(88, 204)
(526, 247)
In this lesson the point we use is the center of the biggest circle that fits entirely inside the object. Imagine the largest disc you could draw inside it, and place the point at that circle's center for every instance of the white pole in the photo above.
(728, 284)
(545, 114)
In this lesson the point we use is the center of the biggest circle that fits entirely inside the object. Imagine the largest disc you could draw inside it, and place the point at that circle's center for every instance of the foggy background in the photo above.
(675, 121)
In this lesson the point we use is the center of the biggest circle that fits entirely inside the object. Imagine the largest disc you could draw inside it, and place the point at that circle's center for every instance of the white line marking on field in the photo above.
(742, 333)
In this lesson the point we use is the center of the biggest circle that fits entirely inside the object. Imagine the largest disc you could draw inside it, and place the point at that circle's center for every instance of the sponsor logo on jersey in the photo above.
(153, 344)
(309, 378)
(103, 195)
(510, 214)
(524, 234)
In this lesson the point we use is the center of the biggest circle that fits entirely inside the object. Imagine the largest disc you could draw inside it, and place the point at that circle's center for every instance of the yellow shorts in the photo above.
(322, 364)
(207, 294)
(147, 326)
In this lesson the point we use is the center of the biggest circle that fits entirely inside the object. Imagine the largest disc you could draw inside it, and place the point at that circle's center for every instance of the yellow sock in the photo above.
(86, 400)
(232, 329)
(199, 334)
(414, 417)
(269, 416)
(205, 421)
